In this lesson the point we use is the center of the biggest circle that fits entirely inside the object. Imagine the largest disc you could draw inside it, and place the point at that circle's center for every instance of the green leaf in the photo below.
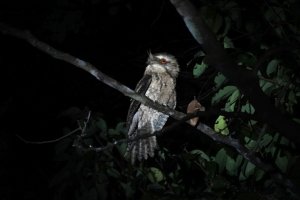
(228, 43)
(113, 132)
(272, 149)
(122, 148)
(212, 18)
(249, 169)
(242, 177)
(201, 153)
(161, 154)
(292, 97)
(227, 27)
(218, 21)
(267, 87)
(219, 80)
(259, 174)
(121, 127)
(155, 175)
(239, 160)
(266, 140)
(221, 125)
(221, 158)
(230, 104)
(101, 124)
(231, 166)
(248, 108)
(282, 162)
(113, 173)
(247, 59)
(199, 54)
(284, 141)
(199, 69)
(223, 93)
(250, 144)
(272, 67)
(276, 136)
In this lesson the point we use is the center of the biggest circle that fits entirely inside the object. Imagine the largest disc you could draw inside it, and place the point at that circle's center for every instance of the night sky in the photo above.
(36, 89)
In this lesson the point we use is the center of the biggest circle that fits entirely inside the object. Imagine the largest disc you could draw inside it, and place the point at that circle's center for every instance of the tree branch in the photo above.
(246, 81)
(86, 66)
(48, 141)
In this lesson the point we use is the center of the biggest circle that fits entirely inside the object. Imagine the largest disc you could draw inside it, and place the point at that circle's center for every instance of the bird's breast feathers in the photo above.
(162, 90)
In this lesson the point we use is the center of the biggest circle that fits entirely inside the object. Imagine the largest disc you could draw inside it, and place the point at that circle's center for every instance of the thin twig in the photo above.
(48, 141)
(159, 14)
(62, 137)
(85, 123)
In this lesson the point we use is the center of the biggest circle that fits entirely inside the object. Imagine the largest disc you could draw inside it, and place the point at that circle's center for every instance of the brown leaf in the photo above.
(194, 106)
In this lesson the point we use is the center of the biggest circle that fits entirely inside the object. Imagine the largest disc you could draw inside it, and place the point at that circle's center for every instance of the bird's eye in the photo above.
(163, 61)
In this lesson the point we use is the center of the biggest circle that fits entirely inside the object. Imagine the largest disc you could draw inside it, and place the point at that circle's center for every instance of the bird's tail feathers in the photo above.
(141, 149)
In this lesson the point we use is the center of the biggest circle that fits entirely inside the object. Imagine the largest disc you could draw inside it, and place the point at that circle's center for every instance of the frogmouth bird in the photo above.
(158, 84)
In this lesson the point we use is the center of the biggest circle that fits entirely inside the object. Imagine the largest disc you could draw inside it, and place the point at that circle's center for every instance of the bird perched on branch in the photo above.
(158, 84)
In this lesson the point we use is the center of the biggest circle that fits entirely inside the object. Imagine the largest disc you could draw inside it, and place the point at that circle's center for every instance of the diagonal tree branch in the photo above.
(246, 153)
(246, 81)
(27, 36)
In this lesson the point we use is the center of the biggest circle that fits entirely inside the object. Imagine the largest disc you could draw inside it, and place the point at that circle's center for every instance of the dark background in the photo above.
(36, 89)
(40, 96)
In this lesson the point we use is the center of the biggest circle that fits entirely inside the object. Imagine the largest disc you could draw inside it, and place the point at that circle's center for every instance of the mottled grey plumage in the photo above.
(158, 83)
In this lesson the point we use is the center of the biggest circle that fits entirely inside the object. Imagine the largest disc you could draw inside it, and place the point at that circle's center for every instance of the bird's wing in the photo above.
(141, 88)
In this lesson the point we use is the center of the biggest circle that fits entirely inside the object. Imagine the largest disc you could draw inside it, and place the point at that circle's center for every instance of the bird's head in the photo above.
(162, 63)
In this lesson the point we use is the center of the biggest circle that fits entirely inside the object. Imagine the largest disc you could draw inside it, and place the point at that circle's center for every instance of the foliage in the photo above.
(199, 69)
(194, 173)
(198, 172)
(221, 125)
